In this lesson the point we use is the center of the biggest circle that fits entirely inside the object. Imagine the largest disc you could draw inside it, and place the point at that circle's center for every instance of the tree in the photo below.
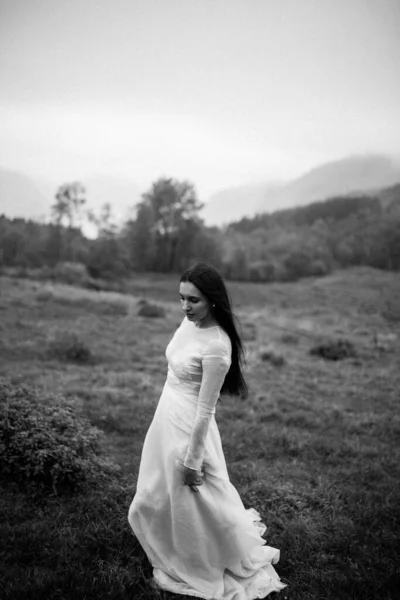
(168, 210)
(105, 221)
(206, 247)
(107, 256)
(63, 244)
(69, 202)
(140, 239)
(239, 269)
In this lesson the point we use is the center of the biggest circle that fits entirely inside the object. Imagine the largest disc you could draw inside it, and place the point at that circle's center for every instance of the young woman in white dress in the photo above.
(188, 517)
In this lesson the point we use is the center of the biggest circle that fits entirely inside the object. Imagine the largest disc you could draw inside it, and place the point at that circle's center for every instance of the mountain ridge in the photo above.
(20, 196)
(28, 197)
(354, 174)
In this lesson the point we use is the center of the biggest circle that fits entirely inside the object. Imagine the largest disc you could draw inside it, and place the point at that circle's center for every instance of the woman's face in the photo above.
(194, 304)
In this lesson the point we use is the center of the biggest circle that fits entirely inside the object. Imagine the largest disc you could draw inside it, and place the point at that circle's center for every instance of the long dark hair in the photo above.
(210, 283)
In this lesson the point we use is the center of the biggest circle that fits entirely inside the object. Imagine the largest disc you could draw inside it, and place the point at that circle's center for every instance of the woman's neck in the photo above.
(206, 323)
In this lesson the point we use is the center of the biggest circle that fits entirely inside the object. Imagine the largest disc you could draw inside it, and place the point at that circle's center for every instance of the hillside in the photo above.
(313, 449)
(234, 203)
(20, 197)
(31, 198)
(336, 208)
(390, 199)
(353, 174)
(343, 231)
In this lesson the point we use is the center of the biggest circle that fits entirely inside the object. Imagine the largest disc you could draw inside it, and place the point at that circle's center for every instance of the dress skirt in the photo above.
(203, 544)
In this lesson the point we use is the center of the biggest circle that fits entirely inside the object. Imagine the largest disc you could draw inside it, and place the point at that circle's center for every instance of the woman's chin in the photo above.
(193, 319)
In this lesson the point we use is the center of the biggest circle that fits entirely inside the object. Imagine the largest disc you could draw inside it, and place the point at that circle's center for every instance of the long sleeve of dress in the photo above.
(215, 363)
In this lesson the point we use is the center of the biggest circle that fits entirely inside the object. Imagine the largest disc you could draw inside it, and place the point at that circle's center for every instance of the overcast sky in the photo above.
(220, 92)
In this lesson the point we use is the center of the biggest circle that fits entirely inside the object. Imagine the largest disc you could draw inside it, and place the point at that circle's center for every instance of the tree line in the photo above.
(167, 234)
(317, 238)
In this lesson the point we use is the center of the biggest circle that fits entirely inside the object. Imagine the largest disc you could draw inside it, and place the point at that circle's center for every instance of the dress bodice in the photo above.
(198, 361)
(186, 351)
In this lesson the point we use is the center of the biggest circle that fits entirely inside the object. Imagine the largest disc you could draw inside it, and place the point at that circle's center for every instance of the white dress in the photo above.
(203, 544)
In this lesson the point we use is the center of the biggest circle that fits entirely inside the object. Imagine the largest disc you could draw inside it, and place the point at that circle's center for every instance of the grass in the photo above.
(314, 448)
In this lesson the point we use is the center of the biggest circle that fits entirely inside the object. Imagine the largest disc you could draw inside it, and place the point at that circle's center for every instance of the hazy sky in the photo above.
(221, 92)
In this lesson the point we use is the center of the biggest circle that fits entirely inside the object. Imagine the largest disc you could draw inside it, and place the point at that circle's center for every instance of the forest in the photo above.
(167, 233)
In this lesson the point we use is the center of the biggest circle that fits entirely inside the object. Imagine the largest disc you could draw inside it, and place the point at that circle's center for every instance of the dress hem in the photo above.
(155, 582)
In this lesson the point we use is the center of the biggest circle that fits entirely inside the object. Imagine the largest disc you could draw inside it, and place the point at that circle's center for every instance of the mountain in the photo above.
(20, 196)
(28, 197)
(339, 178)
(31, 198)
(390, 199)
(234, 203)
(364, 173)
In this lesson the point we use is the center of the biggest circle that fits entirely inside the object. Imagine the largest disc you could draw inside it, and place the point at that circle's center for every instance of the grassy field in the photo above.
(315, 448)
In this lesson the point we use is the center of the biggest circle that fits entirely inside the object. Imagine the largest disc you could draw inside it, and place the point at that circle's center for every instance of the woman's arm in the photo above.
(215, 362)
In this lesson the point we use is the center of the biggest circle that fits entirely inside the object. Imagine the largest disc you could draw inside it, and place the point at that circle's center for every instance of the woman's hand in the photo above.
(192, 478)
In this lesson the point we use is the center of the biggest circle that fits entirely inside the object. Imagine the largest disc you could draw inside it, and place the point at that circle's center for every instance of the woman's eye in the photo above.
(190, 300)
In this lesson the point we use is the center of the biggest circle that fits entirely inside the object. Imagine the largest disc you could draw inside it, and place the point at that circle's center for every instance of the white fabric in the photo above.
(203, 544)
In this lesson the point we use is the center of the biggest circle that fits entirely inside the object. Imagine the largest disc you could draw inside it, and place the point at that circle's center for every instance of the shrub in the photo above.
(98, 307)
(44, 442)
(272, 356)
(106, 259)
(249, 332)
(392, 313)
(44, 296)
(289, 338)
(115, 308)
(72, 273)
(334, 350)
(67, 345)
(261, 271)
(147, 309)
(93, 284)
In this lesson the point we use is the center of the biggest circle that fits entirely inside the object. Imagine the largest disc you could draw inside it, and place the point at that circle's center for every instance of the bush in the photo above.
(107, 285)
(270, 355)
(115, 308)
(147, 309)
(334, 350)
(44, 296)
(44, 442)
(106, 259)
(392, 312)
(261, 271)
(67, 345)
(289, 338)
(70, 272)
(249, 332)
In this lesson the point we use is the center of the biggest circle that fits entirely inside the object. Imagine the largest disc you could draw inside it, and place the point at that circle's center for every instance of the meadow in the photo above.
(315, 447)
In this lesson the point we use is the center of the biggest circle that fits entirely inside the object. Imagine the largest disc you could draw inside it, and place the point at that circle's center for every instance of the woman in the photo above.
(186, 514)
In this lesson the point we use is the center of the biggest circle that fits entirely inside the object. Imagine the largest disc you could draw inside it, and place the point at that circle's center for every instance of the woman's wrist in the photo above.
(191, 468)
